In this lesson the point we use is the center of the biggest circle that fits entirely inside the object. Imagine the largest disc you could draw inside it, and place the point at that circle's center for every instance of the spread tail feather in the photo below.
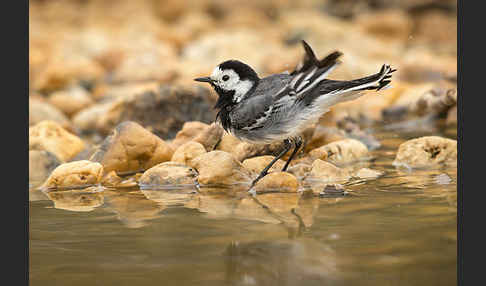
(332, 92)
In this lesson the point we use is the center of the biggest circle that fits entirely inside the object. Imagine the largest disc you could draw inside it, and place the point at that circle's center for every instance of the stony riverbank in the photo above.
(112, 102)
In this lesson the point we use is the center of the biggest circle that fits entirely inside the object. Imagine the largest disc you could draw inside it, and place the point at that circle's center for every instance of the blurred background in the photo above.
(84, 54)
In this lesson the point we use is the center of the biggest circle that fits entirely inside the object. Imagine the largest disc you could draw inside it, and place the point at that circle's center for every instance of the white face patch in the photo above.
(232, 82)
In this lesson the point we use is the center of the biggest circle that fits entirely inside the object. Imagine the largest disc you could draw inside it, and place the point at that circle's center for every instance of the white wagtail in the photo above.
(281, 106)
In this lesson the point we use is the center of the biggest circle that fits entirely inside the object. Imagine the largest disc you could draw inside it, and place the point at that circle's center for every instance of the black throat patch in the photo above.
(225, 104)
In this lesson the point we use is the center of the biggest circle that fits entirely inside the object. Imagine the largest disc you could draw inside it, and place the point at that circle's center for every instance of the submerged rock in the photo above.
(41, 164)
(131, 148)
(366, 173)
(426, 151)
(341, 152)
(278, 181)
(220, 168)
(74, 174)
(169, 173)
(50, 136)
(187, 152)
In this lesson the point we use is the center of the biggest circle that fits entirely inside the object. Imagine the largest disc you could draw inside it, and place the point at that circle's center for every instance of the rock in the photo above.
(111, 179)
(208, 135)
(74, 174)
(333, 191)
(442, 179)
(40, 111)
(341, 152)
(228, 143)
(300, 170)
(168, 173)
(436, 101)
(163, 111)
(84, 200)
(187, 152)
(323, 135)
(87, 119)
(109, 92)
(65, 70)
(71, 101)
(189, 131)
(278, 181)
(155, 61)
(220, 168)
(131, 181)
(245, 150)
(41, 164)
(352, 130)
(366, 173)
(131, 148)
(257, 164)
(411, 94)
(426, 152)
(50, 136)
(324, 172)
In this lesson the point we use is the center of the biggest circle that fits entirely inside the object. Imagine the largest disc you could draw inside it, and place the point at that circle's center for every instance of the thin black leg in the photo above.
(264, 172)
(298, 143)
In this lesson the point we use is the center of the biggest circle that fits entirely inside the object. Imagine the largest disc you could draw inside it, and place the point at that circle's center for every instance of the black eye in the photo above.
(225, 77)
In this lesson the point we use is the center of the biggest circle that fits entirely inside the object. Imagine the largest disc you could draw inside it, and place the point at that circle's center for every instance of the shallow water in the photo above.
(399, 229)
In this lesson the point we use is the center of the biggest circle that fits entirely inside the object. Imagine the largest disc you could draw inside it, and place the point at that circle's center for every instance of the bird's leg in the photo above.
(264, 172)
(298, 143)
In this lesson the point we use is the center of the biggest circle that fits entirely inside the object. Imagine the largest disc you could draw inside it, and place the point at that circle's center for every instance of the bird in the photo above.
(280, 106)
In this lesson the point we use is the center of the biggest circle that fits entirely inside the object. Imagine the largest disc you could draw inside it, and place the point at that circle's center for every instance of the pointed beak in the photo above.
(203, 79)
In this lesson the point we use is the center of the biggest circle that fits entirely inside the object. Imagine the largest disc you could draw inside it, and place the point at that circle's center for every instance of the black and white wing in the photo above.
(306, 77)
(309, 82)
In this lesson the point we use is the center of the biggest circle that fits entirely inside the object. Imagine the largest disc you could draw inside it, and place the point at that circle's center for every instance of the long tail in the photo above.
(309, 82)
(342, 91)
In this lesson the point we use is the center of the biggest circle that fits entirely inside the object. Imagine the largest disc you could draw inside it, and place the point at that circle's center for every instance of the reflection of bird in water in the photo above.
(286, 262)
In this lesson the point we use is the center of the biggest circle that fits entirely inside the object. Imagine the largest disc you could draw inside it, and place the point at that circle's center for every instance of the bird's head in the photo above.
(231, 80)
